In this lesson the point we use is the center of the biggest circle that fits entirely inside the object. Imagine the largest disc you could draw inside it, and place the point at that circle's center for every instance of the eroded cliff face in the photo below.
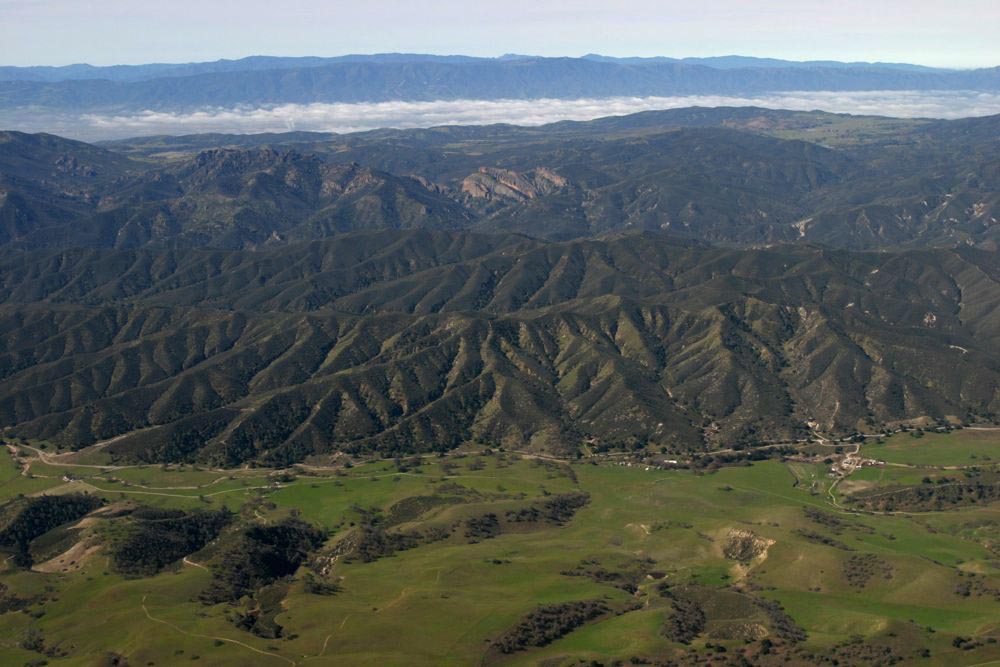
(493, 183)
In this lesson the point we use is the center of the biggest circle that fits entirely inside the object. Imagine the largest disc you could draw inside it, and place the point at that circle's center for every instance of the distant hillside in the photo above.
(740, 176)
(229, 198)
(253, 63)
(740, 62)
(274, 81)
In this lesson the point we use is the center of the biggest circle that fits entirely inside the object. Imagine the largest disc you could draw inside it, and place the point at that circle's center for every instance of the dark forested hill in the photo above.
(733, 176)
(230, 198)
(415, 341)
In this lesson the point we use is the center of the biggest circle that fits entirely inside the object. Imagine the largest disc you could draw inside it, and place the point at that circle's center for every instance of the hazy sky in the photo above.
(957, 33)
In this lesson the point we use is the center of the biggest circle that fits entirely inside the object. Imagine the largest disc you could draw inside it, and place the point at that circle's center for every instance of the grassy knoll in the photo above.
(642, 537)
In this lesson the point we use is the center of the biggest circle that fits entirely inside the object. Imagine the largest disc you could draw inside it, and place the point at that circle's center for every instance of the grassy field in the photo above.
(841, 131)
(442, 603)
(964, 447)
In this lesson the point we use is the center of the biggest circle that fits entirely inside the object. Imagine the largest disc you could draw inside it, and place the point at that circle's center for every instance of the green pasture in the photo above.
(963, 447)
(442, 603)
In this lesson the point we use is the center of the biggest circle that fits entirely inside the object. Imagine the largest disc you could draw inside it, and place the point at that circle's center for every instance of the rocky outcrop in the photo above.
(493, 183)
(744, 545)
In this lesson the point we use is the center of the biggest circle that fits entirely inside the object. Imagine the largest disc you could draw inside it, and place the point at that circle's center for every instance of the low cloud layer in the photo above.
(356, 117)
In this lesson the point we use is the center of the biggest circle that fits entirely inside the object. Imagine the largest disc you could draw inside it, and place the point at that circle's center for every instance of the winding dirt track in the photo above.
(221, 639)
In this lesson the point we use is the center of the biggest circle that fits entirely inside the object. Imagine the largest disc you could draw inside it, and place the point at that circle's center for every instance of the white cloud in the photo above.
(401, 114)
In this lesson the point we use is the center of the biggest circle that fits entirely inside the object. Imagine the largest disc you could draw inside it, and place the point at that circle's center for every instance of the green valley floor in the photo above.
(502, 558)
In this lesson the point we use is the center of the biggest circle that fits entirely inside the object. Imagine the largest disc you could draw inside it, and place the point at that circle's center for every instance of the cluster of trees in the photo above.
(739, 458)
(860, 569)
(859, 650)
(557, 468)
(155, 538)
(261, 618)
(556, 510)
(24, 519)
(260, 556)
(688, 618)
(373, 539)
(33, 639)
(971, 643)
(482, 527)
(686, 622)
(782, 625)
(819, 538)
(627, 578)
(413, 507)
(833, 522)
(946, 493)
(548, 623)
(373, 542)
(973, 584)
(11, 602)
(317, 586)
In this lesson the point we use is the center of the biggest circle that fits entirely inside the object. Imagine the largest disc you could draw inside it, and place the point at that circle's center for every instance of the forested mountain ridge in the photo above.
(682, 280)
(234, 198)
(409, 341)
(732, 176)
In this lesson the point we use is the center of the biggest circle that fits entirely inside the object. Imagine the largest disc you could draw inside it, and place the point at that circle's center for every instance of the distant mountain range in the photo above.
(741, 62)
(740, 176)
(149, 71)
(263, 299)
(255, 63)
(264, 80)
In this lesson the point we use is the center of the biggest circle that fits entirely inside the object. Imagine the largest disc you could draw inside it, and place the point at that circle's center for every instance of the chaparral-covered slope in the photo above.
(416, 341)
